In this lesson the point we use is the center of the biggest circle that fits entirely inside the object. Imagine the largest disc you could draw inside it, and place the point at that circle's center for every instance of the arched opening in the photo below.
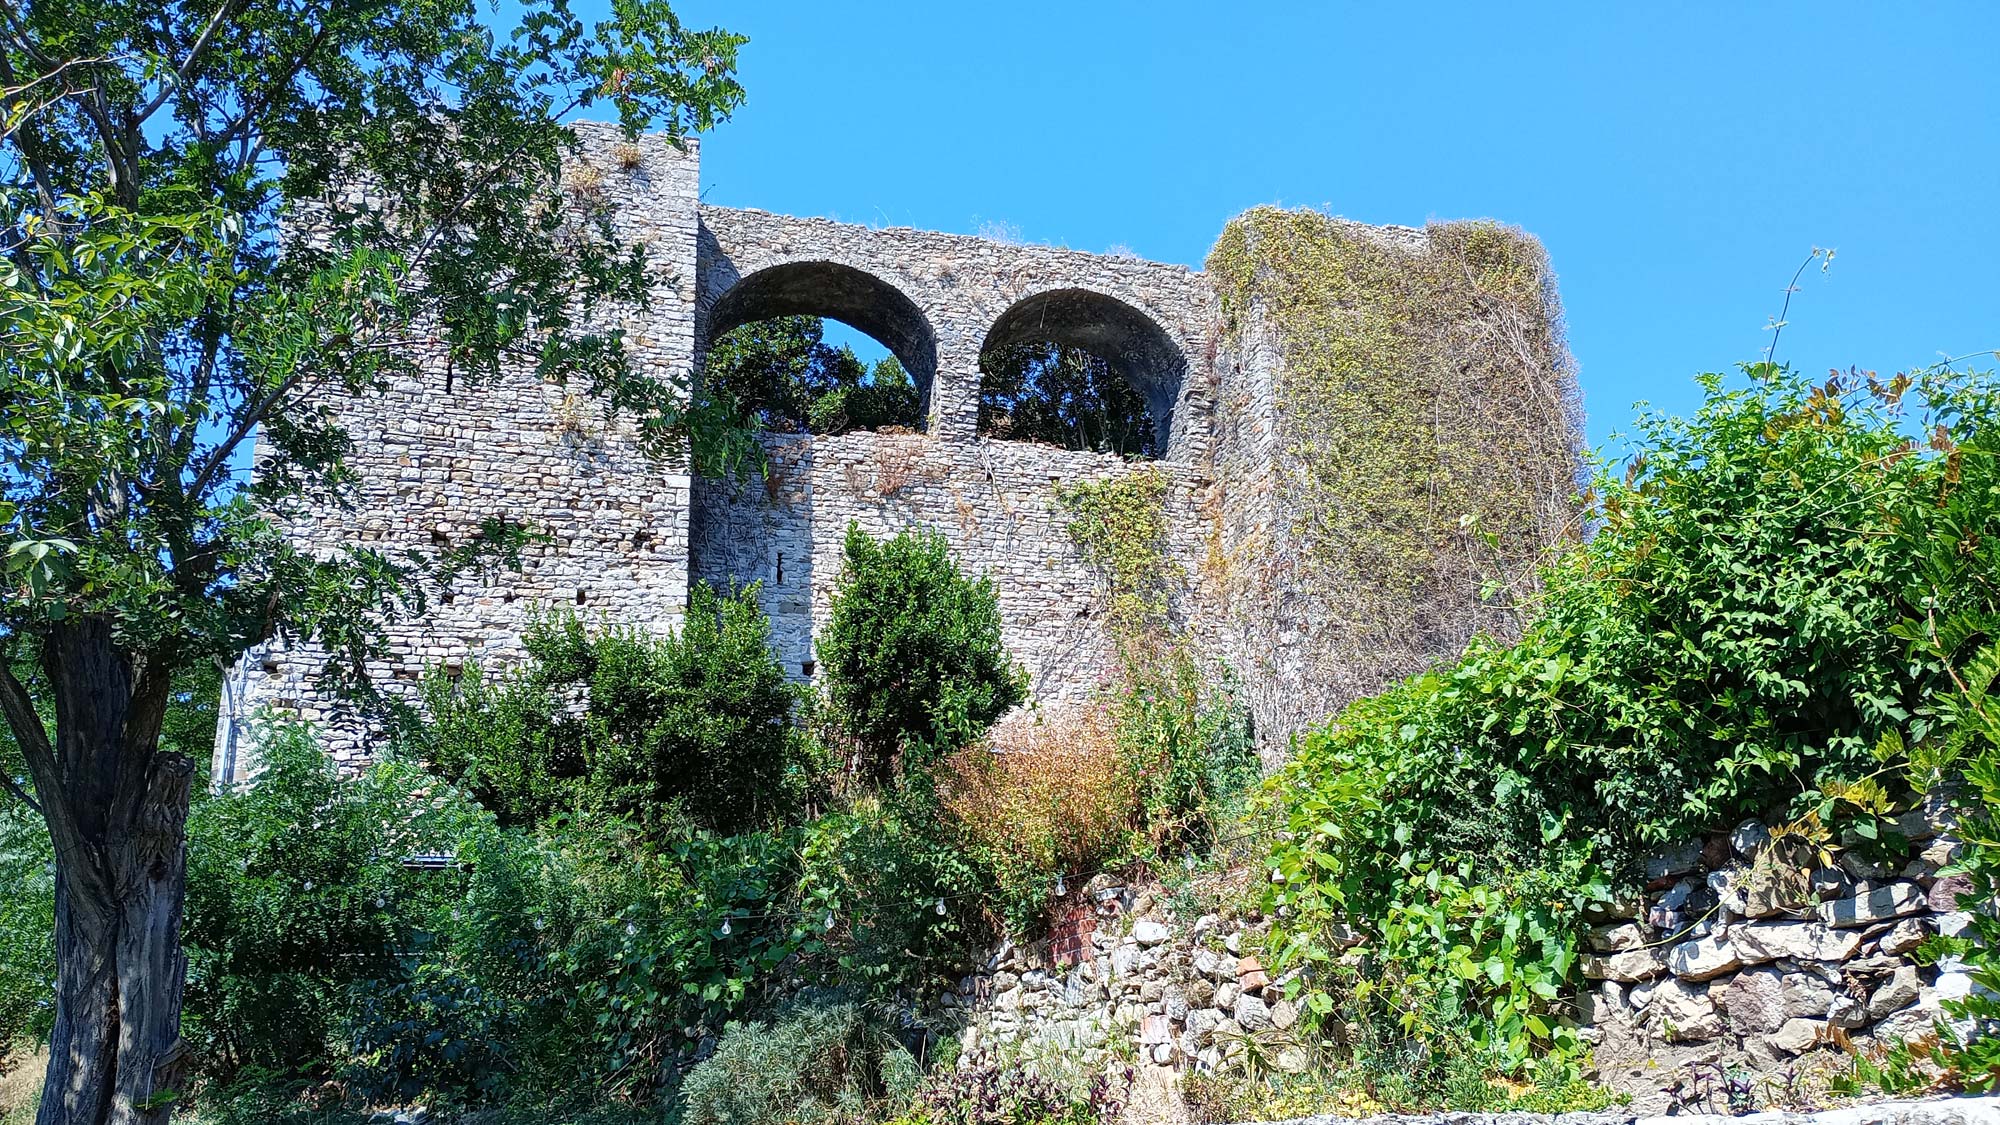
(1080, 370)
(772, 348)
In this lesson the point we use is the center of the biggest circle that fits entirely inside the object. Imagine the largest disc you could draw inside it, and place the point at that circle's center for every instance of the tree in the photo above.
(912, 653)
(1066, 396)
(150, 153)
(783, 375)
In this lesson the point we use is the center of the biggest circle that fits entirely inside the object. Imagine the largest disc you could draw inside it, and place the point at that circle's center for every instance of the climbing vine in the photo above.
(1428, 423)
(1120, 524)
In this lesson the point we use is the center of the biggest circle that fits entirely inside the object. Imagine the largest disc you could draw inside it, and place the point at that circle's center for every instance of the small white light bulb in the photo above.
(940, 908)
(725, 927)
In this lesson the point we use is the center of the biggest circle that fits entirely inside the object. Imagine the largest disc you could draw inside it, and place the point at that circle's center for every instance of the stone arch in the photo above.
(1133, 341)
(831, 289)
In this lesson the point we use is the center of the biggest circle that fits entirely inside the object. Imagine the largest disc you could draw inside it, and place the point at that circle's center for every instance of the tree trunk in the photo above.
(117, 812)
(116, 1056)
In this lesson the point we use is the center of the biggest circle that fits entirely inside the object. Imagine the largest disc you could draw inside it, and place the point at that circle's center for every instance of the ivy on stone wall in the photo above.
(1428, 422)
(1120, 524)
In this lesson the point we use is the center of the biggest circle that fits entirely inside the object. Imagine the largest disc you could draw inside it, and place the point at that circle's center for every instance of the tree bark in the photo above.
(118, 810)
(116, 1056)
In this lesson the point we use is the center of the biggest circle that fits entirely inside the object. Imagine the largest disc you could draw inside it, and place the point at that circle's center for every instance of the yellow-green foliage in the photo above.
(1428, 414)
(1120, 524)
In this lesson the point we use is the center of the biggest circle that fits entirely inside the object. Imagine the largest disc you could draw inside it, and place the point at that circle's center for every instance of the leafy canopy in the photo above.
(783, 375)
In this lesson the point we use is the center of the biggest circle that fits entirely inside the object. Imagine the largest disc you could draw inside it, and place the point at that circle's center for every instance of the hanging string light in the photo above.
(940, 908)
(1062, 888)
(725, 927)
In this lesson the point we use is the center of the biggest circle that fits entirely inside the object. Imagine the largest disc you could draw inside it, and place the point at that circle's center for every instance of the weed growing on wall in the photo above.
(1120, 525)
(1429, 433)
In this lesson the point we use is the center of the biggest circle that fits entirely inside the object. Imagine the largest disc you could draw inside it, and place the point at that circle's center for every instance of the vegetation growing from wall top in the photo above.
(1429, 424)
(1120, 525)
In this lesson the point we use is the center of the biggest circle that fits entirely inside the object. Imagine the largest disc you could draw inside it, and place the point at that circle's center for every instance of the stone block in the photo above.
(1759, 942)
(1683, 1012)
(1703, 959)
(1798, 1036)
(1752, 1002)
(1617, 939)
(1901, 990)
(1252, 1013)
(1626, 968)
(1893, 900)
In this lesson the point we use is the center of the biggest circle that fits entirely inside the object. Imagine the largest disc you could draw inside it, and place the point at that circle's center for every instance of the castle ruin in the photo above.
(626, 535)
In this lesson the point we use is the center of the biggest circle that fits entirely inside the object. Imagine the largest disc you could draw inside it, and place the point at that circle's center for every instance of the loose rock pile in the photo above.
(1743, 958)
(1176, 996)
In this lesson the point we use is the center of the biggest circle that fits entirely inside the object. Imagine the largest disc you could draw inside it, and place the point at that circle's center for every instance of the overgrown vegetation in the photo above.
(692, 726)
(782, 375)
(1755, 629)
(1065, 396)
(1429, 439)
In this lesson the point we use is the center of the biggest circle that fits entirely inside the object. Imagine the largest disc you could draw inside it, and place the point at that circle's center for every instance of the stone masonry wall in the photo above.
(993, 501)
(1740, 960)
(436, 455)
(627, 535)
(1730, 965)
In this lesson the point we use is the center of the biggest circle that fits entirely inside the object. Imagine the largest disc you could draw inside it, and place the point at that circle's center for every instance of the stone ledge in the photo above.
(1927, 1111)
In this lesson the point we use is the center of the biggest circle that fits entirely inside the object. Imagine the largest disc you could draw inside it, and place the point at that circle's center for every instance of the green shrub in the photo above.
(507, 741)
(1189, 742)
(296, 893)
(692, 726)
(911, 654)
(819, 1064)
(1724, 646)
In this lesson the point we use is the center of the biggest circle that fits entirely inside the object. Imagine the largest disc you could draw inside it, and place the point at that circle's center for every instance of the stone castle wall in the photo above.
(626, 535)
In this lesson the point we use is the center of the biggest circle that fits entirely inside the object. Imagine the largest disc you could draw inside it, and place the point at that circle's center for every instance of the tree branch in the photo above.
(33, 739)
(186, 69)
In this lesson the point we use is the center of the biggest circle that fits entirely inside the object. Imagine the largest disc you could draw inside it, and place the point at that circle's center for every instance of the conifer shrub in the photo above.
(912, 657)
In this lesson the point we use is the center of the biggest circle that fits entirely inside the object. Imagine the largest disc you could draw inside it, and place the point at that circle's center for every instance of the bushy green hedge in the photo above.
(1726, 645)
(695, 725)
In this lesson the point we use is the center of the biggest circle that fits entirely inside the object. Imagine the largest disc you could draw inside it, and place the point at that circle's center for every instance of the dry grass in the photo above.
(1048, 796)
(20, 1081)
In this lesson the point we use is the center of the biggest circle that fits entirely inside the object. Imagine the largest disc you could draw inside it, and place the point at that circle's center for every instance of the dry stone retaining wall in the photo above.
(1728, 965)
(1928, 1111)
(1739, 961)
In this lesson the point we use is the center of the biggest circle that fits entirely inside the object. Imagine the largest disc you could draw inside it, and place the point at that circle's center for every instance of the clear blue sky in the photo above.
(1677, 165)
